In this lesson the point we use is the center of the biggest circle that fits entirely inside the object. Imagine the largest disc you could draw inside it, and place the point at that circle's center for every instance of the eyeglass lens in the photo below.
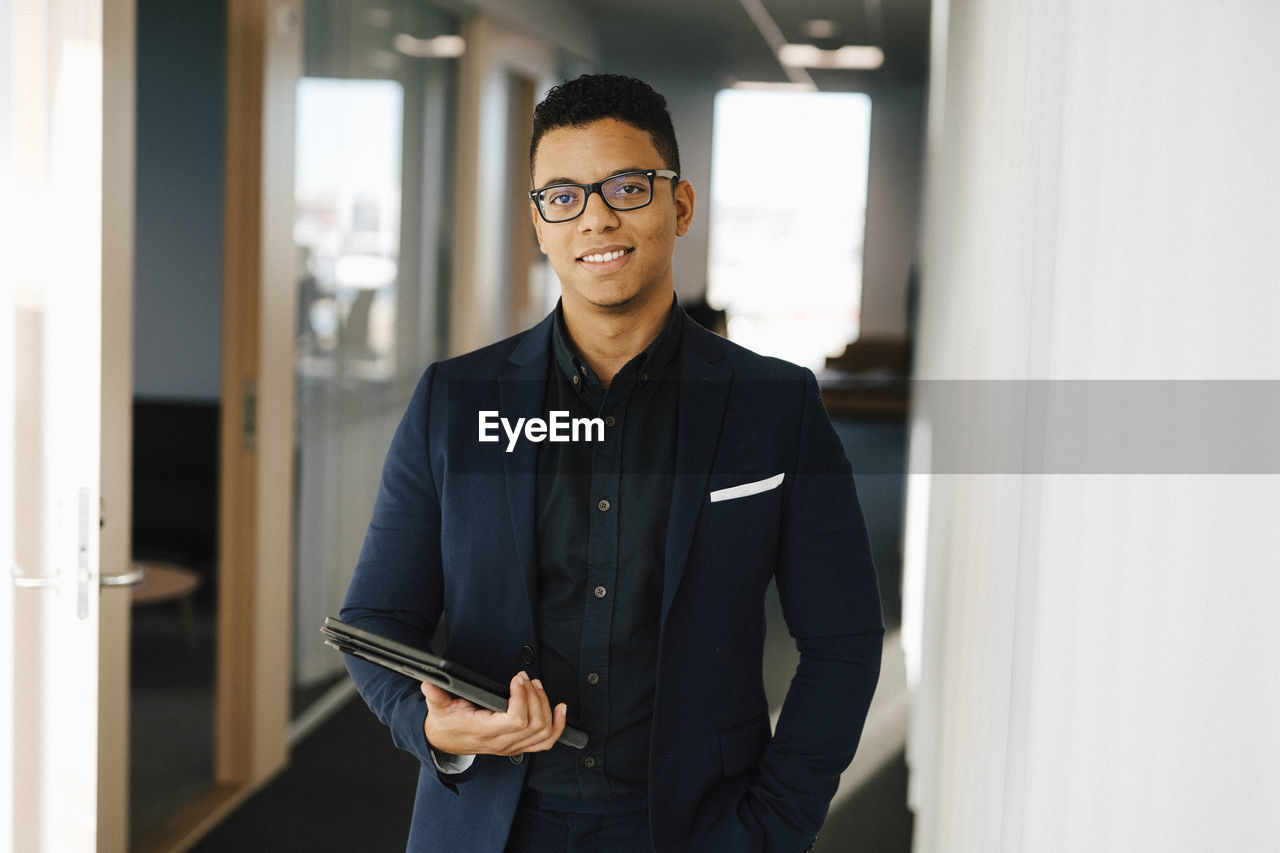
(621, 192)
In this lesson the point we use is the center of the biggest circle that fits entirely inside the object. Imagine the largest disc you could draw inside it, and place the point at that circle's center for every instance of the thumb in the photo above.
(434, 695)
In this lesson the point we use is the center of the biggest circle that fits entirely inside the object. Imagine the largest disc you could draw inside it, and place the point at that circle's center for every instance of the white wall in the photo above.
(893, 208)
(1091, 640)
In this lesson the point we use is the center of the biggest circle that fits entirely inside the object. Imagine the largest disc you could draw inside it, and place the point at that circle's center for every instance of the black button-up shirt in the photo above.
(602, 510)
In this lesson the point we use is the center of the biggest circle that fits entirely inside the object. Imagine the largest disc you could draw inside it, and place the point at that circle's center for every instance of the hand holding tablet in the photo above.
(422, 666)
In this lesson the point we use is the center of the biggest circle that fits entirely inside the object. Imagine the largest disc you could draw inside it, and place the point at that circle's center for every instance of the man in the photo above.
(621, 576)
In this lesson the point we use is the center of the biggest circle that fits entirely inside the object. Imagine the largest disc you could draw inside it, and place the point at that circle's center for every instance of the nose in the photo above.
(596, 215)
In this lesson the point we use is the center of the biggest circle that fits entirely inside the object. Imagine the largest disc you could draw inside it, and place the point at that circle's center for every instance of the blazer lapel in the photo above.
(704, 391)
(521, 393)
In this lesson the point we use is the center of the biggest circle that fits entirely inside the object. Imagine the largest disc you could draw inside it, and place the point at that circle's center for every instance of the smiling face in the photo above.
(610, 260)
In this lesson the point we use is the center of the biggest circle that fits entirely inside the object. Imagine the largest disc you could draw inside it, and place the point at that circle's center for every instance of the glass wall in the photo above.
(372, 183)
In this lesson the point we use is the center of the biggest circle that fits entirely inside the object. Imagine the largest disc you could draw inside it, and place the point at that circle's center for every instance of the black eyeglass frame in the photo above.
(596, 188)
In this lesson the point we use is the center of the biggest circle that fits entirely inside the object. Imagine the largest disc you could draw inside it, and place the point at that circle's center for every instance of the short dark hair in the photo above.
(592, 97)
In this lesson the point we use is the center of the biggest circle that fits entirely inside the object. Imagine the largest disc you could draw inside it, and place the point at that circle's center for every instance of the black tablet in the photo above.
(422, 666)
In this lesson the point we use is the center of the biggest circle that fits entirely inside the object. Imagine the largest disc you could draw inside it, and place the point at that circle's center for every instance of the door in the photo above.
(66, 125)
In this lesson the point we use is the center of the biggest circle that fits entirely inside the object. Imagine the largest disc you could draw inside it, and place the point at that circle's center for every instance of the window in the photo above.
(788, 212)
(348, 223)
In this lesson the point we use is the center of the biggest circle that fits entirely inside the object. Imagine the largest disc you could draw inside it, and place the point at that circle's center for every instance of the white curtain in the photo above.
(1093, 559)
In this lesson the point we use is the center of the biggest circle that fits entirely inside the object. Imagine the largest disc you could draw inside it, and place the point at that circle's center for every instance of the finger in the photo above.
(436, 698)
(518, 702)
(547, 739)
(540, 707)
(507, 733)
(542, 720)
(559, 721)
(537, 721)
(537, 714)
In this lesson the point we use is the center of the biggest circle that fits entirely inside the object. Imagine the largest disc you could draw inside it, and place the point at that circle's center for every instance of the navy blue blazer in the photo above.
(453, 536)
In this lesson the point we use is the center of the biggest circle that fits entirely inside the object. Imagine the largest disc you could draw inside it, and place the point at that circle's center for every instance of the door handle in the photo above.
(33, 581)
(129, 578)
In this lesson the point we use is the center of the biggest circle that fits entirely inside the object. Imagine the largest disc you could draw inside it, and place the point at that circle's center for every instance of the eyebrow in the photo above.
(556, 181)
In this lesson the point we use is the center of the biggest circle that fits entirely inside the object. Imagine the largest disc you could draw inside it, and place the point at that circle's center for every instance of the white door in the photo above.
(66, 71)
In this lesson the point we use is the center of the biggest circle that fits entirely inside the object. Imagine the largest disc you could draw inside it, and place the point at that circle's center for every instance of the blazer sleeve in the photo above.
(830, 599)
(397, 588)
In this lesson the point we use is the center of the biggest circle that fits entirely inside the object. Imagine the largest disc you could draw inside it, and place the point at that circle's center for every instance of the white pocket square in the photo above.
(747, 489)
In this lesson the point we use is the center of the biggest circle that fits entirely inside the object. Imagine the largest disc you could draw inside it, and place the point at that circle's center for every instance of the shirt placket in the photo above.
(601, 585)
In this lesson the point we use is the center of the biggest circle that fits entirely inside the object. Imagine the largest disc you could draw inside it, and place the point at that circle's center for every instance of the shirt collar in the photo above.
(655, 356)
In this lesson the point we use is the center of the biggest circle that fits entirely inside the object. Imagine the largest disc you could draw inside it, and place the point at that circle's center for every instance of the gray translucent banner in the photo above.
(1095, 427)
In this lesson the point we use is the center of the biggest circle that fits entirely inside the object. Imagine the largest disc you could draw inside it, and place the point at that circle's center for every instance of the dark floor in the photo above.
(308, 808)
(875, 819)
(172, 712)
(172, 715)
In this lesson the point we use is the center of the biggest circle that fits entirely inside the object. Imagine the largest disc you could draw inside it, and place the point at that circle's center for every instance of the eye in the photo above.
(631, 186)
(560, 197)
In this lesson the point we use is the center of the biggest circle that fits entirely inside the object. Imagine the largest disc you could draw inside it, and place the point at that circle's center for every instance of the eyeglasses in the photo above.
(625, 191)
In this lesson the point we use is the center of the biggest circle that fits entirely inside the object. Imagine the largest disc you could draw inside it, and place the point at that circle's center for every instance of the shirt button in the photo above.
(609, 421)
(600, 592)
(575, 379)
(593, 678)
(603, 506)
(526, 655)
(588, 762)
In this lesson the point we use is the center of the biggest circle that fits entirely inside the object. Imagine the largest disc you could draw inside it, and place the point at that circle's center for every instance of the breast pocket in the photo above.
(747, 510)
(739, 537)
(747, 489)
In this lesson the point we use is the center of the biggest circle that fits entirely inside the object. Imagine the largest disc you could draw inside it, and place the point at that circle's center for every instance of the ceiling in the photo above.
(721, 34)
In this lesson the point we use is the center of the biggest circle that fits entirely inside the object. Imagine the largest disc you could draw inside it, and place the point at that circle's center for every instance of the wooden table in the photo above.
(169, 582)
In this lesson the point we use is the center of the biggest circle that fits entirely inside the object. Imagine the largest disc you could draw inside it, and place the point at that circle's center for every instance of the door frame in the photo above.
(119, 144)
(256, 434)
(260, 286)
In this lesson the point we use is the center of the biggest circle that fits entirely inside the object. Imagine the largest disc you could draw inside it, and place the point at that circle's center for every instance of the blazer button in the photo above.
(526, 655)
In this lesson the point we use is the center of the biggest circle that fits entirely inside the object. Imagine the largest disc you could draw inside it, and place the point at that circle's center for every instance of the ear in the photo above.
(684, 207)
(537, 225)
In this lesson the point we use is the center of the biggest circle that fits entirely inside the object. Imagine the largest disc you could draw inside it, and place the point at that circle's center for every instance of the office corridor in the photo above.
(307, 807)
(347, 787)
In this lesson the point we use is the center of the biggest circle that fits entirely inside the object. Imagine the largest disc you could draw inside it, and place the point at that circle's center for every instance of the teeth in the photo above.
(605, 258)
